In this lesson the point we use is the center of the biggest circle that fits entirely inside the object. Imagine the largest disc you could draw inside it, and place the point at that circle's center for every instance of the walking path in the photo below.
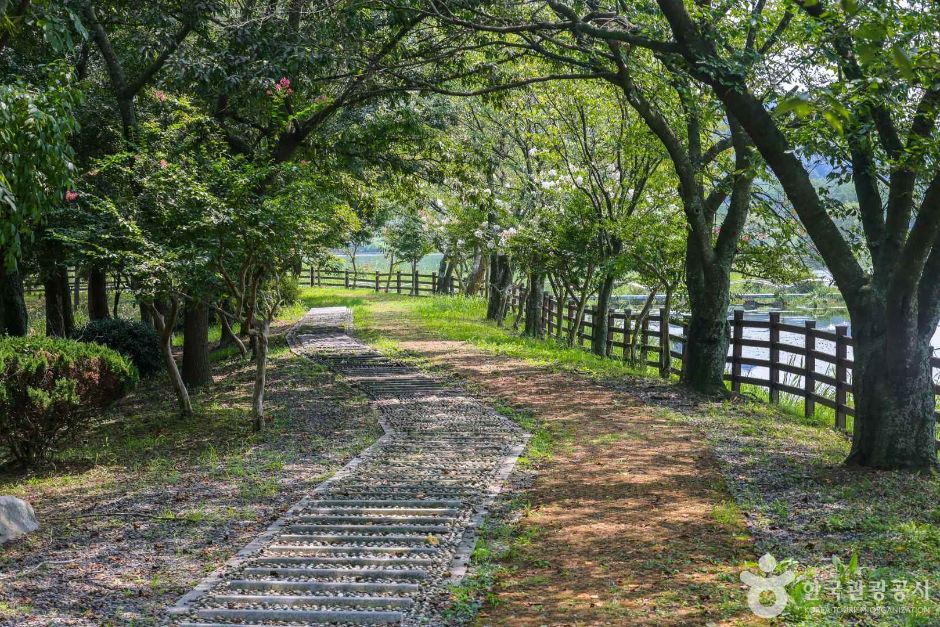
(380, 542)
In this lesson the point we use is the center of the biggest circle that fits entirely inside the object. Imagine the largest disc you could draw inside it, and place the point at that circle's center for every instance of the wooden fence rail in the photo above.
(812, 364)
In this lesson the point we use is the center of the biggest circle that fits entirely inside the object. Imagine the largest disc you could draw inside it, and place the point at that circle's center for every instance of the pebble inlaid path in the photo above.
(380, 542)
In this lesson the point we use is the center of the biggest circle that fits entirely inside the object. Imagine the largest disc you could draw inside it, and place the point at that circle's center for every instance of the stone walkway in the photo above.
(381, 541)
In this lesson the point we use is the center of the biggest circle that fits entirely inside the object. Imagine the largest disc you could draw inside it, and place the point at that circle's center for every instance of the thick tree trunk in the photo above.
(59, 319)
(196, 344)
(533, 305)
(706, 349)
(164, 324)
(894, 424)
(476, 275)
(444, 285)
(500, 278)
(145, 316)
(97, 294)
(13, 317)
(261, 363)
(703, 366)
(599, 336)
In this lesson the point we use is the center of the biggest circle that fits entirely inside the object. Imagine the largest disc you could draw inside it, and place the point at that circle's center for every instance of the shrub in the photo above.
(48, 388)
(135, 340)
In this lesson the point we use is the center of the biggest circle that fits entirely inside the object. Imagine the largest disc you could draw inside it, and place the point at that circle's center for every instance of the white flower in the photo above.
(579, 180)
(491, 245)
(533, 152)
(478, 233)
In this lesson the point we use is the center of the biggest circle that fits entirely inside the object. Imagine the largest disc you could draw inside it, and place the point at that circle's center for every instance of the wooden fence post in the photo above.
(644, 342)
(311, 276)
(545, 318)
(434, 282)
(809, 370)
(415, 286)
(550, 315)
(377, 281)
(570, 316)
(774, 376)
(842, 353)
(561, 318)
(398, 282)
(346, 280)
(627, 327)
(609, 344)
(665, 358)
(736, 349)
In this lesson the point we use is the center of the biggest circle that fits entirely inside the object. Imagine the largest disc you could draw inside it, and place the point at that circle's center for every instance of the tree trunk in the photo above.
(635, 341)
(500, 278)
(261, 360)
(599, 336)
(145, 316)
(533, 305)
(706, 350)
(97, 294)
(13, 317)
(444, 285)
(59, 319)
(894, 424)
(228, 335)
(196, 344)
(165, 324)
(476, 275)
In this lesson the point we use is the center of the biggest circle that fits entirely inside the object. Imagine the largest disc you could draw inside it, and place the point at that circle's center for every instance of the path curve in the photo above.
(380, 541)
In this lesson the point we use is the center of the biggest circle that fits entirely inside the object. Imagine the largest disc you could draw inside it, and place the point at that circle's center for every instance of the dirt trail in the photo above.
(623, 520)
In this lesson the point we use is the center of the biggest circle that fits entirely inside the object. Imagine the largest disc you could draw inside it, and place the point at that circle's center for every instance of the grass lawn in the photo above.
(870, 540)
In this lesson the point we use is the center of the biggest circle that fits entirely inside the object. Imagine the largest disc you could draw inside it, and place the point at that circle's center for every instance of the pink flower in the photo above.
(289, 90)
(71, 196)
(163, 164)
(284, 82)
(279, 87)
(159, 95)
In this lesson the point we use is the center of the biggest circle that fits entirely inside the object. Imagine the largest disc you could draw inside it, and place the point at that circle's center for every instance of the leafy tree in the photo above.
(406, 237)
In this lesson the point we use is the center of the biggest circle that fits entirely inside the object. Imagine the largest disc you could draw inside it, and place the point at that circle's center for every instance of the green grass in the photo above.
(463, 319)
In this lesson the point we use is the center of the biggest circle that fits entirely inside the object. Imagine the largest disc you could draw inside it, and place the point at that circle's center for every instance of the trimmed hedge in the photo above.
(48, 387)
(135, 340)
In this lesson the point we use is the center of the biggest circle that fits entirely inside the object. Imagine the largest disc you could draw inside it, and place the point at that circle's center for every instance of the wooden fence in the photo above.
(413, 284)
(806, 363)
(811, 364)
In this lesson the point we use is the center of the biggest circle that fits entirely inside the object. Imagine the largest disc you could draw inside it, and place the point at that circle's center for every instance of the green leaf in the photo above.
(850, 6)
(903, 62)
(797, 104)
(833, 120)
